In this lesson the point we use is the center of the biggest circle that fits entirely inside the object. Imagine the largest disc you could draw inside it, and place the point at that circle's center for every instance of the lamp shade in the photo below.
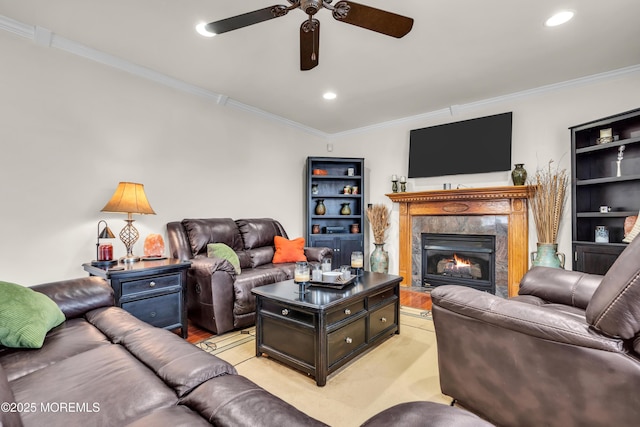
(129, 197)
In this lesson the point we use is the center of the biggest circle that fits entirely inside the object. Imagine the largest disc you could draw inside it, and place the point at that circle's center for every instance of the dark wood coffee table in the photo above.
(320, 331)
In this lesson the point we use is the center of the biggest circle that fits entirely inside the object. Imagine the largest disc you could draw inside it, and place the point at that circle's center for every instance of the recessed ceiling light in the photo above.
(559, 18)
(329, 95)
(201, 28)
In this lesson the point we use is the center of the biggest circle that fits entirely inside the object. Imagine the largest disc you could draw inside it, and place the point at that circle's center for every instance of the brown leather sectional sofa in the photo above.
(218, 299)
(564, 352)
(104, 367)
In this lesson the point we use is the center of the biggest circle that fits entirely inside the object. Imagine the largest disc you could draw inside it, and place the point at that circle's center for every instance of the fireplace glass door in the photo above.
(459, 259)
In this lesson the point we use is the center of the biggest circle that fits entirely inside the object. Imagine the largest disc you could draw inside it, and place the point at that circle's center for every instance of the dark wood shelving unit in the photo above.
(330, 188)
(595, 183)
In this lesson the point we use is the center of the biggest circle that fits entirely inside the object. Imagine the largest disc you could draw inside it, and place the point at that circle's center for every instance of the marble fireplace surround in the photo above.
(501, 211)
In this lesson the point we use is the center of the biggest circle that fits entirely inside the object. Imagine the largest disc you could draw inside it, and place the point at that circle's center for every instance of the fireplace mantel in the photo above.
(511, 201)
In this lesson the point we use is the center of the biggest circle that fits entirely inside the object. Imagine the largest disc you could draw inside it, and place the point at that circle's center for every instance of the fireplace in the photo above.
(499, 211)
(459, 259)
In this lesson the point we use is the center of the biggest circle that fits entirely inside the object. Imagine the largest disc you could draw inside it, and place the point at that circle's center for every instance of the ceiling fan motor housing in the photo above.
(310, 7)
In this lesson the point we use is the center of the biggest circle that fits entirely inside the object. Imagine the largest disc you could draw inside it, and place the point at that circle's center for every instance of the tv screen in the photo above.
(470, 146)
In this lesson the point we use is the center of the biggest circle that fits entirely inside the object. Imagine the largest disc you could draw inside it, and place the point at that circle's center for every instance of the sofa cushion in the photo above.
(259, 232)
(8, 418)
(223, 402)
(173, 416)
(26, 316)
(201, 232)
(614, 307)
(220, 250)
(73, 337)
(288, 250)
(107, 386)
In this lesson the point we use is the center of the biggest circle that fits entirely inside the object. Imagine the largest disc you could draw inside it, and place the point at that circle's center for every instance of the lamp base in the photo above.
(129, 259)
(102, 264)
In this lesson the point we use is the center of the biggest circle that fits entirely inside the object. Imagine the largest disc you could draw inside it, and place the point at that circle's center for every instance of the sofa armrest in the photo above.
(77, 296)
(212, 264)
(560, 286)
(317, 253)
(532, 320)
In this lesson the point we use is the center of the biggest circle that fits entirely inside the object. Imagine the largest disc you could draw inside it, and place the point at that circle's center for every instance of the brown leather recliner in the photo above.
(564, 352)
(218, 299)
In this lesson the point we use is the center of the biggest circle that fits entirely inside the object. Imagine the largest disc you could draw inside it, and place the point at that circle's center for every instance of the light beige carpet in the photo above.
(402, 369)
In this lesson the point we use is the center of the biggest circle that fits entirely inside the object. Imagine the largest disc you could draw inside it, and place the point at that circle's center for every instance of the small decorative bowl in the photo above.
(330, 276)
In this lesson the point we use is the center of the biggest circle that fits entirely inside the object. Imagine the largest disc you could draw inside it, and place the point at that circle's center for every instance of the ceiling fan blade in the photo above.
(372, 19)
(309, 44)
(246, 19)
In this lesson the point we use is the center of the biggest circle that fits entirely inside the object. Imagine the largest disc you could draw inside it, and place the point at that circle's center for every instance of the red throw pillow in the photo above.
(288, 250)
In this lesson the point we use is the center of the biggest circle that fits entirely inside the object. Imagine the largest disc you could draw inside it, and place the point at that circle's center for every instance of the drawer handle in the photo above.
(347, 312)
(348, 340)
(153, 314)
(285, 312)
(383, 320)
(152, 284)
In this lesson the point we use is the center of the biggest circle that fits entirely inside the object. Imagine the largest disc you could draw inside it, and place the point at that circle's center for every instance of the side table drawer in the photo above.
(150, 284)
(382, 319)
(346, 340)
(160, 311)
(345, 312)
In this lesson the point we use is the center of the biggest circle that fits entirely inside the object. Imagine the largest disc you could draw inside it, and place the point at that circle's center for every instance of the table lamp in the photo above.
(129, 198)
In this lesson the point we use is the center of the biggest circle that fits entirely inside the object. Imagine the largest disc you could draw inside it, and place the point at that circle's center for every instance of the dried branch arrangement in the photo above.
(548, 202)
(379, 219)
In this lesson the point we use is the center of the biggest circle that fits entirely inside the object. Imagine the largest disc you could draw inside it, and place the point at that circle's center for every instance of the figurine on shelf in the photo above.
(620, 155)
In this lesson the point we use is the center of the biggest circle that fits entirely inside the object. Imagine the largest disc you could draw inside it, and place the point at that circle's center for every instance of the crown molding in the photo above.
(47, 38)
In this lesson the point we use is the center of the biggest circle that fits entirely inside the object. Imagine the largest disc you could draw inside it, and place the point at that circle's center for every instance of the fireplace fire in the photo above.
(459, 259)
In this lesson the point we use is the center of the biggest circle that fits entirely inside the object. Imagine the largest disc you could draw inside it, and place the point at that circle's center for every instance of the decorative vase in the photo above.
(346, 209)
(379, 259)
(320, 208)
(519, 174)
(547, 255)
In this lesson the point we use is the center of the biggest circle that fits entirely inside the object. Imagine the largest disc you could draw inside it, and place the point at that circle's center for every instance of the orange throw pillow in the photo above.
(288, 250)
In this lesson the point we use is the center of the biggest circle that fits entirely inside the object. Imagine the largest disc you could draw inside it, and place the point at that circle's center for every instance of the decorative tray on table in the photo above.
(339, 283)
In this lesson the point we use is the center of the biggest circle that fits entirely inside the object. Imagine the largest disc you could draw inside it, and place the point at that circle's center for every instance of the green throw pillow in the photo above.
(26, 316)
(220, 250)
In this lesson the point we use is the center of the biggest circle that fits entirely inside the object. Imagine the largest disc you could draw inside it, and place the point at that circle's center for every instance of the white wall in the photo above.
(71, 129)
(540, 133)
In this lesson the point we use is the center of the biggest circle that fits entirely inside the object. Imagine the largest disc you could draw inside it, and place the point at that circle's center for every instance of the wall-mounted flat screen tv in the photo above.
(471, 146)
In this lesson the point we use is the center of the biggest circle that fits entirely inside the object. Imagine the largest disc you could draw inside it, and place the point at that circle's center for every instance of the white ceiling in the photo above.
(458, 52)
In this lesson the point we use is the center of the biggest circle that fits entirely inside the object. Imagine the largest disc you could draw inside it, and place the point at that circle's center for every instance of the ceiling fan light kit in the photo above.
(362, 16)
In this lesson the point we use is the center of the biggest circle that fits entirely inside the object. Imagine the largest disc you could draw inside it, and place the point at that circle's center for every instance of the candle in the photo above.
(357, 260)
(394, 177)
(403, 179)
(301, 277)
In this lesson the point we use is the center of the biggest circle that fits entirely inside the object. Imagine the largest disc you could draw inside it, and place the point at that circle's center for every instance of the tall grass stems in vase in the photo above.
(379, 219)
(547, 205)
(378, 216)
(548, 202)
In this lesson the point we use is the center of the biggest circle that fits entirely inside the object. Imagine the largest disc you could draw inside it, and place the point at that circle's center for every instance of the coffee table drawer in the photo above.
(287, 312)
(345, 312)
(346, 340)
(382, 319)
(150, 284)
(380, 297)
(289, 339)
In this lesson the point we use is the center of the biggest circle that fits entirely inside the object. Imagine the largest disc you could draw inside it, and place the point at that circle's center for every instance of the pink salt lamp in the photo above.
(154, 246)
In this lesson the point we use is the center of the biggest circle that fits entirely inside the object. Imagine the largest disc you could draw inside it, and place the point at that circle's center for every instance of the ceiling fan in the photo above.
(352, 13)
